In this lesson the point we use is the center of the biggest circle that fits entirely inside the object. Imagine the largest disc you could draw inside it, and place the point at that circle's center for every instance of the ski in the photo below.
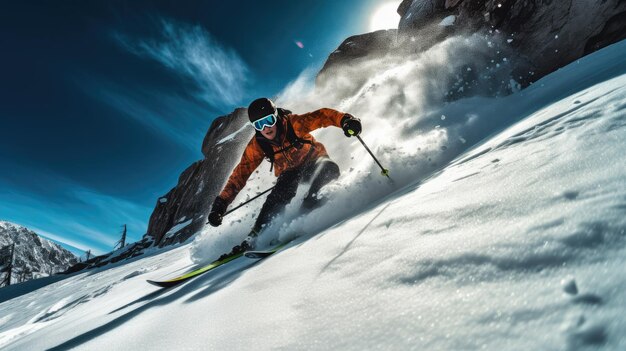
(260, 254)
(183, 278)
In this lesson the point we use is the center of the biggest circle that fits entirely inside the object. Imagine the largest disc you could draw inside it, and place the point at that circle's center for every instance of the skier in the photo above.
(283, 138)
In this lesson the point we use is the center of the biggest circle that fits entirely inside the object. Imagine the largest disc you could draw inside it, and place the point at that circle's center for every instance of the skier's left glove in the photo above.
(351, 125)
(217, 211)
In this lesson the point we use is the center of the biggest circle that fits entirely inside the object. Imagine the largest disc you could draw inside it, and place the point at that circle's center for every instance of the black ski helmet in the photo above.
(260, 108)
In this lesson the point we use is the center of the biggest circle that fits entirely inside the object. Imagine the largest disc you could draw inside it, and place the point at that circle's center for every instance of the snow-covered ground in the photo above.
(518, 244)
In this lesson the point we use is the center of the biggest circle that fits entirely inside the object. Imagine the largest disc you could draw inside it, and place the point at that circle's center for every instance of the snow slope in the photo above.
(518, 244)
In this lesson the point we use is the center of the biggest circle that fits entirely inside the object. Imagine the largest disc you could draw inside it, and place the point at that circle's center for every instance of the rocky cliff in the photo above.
(356, 48)
(183, 210)
(545, 34)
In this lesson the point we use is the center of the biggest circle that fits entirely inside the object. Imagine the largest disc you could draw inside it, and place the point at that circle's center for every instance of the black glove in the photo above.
(217, 211)
(351, 125)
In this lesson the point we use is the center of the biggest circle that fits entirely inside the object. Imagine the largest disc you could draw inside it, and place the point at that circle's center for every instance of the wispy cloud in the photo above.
(94, 235)
(177, 119)
(76, 247)
(126, 212)
(191, 51)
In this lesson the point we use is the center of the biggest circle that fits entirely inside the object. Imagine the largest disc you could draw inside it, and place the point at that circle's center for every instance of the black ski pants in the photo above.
(319, 173)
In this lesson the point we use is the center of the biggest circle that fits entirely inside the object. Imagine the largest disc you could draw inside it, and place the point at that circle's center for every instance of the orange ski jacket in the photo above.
(291, 157)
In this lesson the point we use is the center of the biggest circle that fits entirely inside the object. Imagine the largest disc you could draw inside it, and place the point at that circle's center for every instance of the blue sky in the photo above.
(103, 104)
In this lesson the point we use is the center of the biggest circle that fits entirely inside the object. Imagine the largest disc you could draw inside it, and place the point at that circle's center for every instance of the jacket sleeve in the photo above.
(250, 160)
(321, 118)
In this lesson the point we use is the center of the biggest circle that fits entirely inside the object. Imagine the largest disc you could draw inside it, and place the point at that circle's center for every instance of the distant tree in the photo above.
(122, 242)
(6, 263)
(24, 275)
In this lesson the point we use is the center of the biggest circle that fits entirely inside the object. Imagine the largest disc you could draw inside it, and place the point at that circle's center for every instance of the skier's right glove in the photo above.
(217, 211)
(351, 125)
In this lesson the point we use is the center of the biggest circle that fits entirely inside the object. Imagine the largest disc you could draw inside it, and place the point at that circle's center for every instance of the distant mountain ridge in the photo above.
(35, 256)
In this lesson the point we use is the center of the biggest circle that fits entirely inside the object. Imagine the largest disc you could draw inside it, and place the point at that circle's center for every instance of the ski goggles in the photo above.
(267, 121)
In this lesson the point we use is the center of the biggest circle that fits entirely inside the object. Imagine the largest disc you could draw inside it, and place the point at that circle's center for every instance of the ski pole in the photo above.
(384, 171)
(247, 202)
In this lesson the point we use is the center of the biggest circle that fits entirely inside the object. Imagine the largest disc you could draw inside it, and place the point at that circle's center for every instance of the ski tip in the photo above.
(166, 284)
(155, 283)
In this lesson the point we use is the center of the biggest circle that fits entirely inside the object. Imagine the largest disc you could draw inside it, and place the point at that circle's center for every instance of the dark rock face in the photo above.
(345, 59)
(417, 14)
(361, 62)
(357, 47)
(183, 210)
(546, 34)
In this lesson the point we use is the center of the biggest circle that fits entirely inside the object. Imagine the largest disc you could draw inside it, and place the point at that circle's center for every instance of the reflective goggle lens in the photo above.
(267, 121)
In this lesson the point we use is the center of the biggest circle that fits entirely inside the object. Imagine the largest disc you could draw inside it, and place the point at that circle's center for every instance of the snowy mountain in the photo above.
(518, 243)
(34, 256)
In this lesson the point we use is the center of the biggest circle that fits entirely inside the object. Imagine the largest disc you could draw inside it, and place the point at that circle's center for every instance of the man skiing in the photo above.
(283, 138)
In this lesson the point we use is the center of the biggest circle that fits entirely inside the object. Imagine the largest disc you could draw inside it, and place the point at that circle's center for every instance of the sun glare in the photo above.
(385, 16)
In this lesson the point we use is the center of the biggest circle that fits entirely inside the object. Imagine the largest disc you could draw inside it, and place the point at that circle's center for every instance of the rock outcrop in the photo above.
(355, 48)
(183, 210)
(545, 34)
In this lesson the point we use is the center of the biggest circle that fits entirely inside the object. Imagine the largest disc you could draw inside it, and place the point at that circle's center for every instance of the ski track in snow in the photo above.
(519, 243)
